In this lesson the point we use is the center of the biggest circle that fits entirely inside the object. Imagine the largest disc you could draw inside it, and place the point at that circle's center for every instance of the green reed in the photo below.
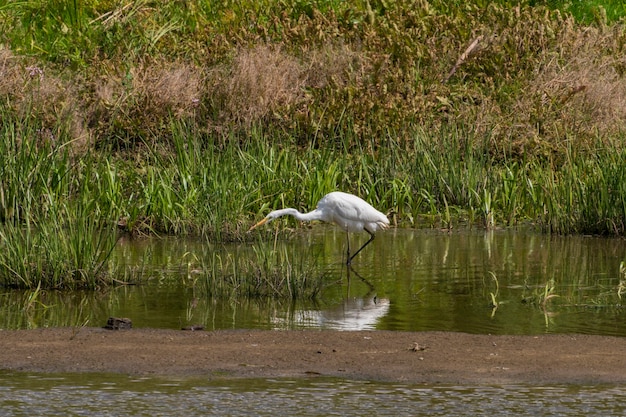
(52, 228)
(585, 195)
(61, 252)
(281, 273)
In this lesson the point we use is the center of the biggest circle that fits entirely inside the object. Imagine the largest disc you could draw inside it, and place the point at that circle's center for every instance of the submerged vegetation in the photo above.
(194, 118)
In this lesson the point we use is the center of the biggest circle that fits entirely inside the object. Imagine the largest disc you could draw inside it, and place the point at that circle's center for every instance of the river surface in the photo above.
(476, 281)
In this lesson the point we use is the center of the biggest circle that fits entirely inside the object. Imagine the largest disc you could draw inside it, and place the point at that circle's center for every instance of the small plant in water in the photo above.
(542, 295)
(494, 295)
(547, 294)
(621, 288)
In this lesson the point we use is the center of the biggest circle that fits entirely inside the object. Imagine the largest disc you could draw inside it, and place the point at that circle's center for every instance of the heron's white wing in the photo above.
(351, 212)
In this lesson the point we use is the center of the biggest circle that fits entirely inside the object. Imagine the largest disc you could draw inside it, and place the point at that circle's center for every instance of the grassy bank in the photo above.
(194, 118)
(444, 179)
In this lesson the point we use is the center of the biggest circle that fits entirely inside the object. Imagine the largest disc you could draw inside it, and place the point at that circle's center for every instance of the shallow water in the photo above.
(405, 280)
(116, 395)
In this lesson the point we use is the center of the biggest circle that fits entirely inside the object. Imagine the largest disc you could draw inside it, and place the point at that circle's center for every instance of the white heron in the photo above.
(347, 211)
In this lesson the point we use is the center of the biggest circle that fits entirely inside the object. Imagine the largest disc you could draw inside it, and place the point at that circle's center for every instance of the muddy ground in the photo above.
(419, 357)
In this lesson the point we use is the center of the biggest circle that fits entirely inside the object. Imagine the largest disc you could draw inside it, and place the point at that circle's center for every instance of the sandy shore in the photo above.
(371, 355)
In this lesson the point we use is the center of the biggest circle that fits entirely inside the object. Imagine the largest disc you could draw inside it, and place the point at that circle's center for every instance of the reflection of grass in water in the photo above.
(621, 288)
(546, 294)
(44, 308)
(539, 297)
(596, 296)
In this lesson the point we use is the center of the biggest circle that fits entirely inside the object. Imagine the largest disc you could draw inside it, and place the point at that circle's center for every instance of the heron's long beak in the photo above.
(261, 223)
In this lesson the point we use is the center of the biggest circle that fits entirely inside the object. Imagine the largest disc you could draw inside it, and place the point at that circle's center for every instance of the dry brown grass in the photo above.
(31, 89)
(265, 83)
(168, 88)
(9, 72)
(577, 93)
(257, 82)
(260, 84)
(144, 96)
(588, 80)
(573, 96)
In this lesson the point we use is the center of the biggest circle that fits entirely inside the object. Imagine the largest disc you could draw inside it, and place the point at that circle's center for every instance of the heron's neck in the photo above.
(307, 217)
(304, 217)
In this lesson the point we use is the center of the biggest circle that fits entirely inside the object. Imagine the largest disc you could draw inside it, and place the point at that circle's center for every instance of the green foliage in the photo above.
(195, 117)
(594, 11)
(63, 251)
(313, 68)
(269, 273)
(52, 230)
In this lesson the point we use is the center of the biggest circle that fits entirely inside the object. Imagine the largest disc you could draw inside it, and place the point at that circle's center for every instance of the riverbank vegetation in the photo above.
(194, 118)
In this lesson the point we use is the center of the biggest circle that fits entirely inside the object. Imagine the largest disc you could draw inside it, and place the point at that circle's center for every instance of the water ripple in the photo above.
(114, 395)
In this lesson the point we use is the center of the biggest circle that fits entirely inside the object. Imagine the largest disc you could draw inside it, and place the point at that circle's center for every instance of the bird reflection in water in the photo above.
(353, 313)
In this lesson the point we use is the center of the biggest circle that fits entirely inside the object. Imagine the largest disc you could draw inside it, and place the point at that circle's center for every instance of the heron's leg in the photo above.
(361, 248)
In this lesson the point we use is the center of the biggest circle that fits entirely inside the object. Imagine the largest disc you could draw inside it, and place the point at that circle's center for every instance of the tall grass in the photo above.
(52, 199)
(586, 195)
(53, 232)
(64, 251)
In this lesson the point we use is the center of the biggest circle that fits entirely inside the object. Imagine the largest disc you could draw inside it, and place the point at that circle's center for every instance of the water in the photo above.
(116, 395)
(408, 280)
(405, 280)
